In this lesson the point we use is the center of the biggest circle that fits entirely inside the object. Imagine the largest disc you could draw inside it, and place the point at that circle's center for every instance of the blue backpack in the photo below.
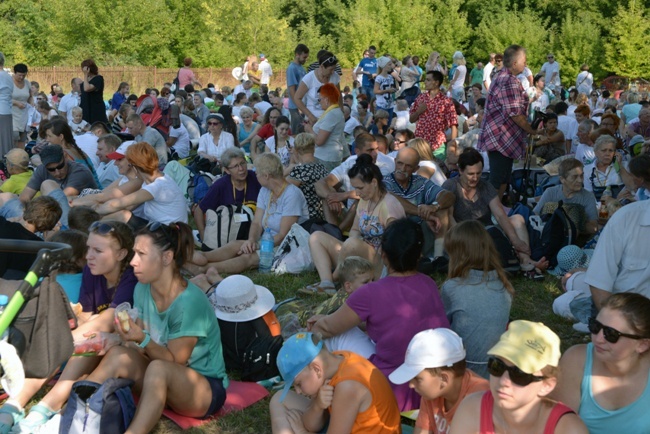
(99, 408)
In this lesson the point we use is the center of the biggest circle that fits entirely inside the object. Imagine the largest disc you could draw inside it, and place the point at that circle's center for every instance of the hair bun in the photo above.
(364, 160)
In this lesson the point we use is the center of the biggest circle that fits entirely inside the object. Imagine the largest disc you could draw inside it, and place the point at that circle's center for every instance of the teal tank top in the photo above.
(632, 419)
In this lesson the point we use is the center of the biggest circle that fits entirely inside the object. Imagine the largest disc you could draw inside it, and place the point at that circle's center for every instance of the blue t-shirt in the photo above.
(295, 73)
(71, 284)
(420, 191)
(189, 315)
(368, 65)
(117, 101)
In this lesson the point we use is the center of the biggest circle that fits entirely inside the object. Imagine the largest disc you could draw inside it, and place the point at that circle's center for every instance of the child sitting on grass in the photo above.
(435, 367)
(340, 390)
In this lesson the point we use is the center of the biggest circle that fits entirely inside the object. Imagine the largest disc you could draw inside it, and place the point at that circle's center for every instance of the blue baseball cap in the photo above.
(297, 352)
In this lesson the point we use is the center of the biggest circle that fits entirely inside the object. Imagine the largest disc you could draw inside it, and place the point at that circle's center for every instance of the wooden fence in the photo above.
(142, 77)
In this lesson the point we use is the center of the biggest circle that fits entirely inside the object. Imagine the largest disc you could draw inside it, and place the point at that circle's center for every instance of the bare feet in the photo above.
(213, 275)
(201, 280)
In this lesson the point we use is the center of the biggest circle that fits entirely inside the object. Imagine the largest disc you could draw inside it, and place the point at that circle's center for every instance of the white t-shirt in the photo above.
(182, 145)
(206, 144)
(584, 82)
(585, 154)
(332, 149)
(88, 143)
(385, 100)
(486, 74)
(438, 177)
(311, 96)
(107, 173)
(262, 106)
(168, 204)
(549, 69)
(267, 72)
(67, 103)
(523, 77)
(459, 83)
(283, 153)
(569, 126)
(291, 203)
(384, 162)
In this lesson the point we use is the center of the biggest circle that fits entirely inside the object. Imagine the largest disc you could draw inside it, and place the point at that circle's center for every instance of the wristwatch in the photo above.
(146, 340)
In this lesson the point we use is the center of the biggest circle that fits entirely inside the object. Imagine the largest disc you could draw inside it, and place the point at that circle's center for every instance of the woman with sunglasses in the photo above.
(107, 281)
(213, 143)
(523, 372)
(173, 350)
(306, 96)
(607, 381)
(161, 198)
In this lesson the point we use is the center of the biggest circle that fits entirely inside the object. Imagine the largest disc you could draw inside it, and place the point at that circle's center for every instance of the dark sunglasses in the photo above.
(101, 228)
(59, 167)
(399, 141)
(611, 335)
(156, 226)
(497, 367)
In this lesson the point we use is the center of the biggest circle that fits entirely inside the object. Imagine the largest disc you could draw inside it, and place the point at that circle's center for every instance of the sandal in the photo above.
(16, 415)
(327, 288)
(38, 415)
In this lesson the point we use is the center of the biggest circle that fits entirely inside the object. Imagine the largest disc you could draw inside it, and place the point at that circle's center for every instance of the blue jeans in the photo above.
(15, 208)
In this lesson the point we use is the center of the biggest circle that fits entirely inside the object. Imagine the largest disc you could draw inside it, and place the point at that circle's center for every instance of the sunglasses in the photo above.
(610, 334)
(155, 226)
(399, 141)
(59, 167)
(101, 228)
(497, 367)
(330, 61)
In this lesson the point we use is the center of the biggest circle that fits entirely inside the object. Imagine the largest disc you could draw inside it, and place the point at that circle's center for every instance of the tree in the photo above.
(629, 39)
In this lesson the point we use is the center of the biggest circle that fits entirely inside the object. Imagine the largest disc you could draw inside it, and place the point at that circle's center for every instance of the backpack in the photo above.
(227, 223)
(95, 408)
(176, 83)
(259, 361)
(509, 258)
(198, 186)
(558, 231)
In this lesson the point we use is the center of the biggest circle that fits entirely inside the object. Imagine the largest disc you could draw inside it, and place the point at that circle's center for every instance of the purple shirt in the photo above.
(395, 309)
(221, 193)
(507, 98)
(96, 297)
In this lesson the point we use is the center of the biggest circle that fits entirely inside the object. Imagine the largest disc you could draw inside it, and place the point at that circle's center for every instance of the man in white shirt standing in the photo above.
(486, 73)
(568, 125)
(71, 100)
(585, 81)
(265, 68)
(552, 70)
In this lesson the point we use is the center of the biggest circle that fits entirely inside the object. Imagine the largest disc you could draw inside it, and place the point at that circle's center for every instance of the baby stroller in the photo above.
(39, 317)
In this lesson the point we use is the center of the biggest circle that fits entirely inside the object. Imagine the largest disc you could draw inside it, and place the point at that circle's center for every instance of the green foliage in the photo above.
(607, 35)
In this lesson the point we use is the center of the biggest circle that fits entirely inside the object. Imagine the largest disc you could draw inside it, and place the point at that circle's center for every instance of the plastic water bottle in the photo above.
(266, 252)
(603, 212)
(4, 301)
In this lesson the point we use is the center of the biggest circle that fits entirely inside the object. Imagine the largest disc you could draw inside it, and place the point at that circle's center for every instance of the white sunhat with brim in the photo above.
(434, 348)
(238, 299)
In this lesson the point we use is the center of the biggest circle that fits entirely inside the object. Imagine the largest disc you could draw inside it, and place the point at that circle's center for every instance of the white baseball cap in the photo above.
(434, 348)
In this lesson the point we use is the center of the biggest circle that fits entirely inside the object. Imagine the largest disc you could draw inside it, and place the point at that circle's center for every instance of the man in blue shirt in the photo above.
(295, 73)
(368, 67)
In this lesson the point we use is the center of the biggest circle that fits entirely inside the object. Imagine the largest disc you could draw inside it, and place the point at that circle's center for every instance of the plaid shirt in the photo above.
(499, 132)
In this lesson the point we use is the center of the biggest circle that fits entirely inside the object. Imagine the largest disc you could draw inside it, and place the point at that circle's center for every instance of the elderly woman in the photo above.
(328, 130)
(279, 205)
(605, 170)
(478, 200)
(571, 190)
(162, 199)
(20, 104)
(307, 172)
(6, 91)
(376, 210)
(92, 93)
(213, 143)
(306, 96)
(607, 381)
(394, 309)
(247, 129)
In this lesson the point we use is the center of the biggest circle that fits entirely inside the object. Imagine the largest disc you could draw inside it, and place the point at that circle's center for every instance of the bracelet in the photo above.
(146, 340)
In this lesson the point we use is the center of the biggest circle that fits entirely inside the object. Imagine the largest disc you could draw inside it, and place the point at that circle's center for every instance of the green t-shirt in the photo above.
(16, 183)
(189, 315)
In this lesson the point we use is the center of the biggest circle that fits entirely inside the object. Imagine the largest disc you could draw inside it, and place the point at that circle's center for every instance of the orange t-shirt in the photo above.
(434, 418)
(382, 416)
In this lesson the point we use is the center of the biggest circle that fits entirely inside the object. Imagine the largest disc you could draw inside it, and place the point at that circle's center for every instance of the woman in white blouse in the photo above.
(213, 143)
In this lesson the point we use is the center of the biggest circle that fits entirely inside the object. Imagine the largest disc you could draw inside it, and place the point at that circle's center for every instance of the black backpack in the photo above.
(559, 231)
(509, 258)
(259, 361)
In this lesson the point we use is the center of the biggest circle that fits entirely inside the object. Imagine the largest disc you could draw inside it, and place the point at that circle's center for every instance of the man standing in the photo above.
(584, 81)
(487, 71)
(433, 114)
(266, 70)
(71, 100)
(476, 74)
(504, 130)
(568, 125)
(295, 73)
(552, 70)
(368, 67)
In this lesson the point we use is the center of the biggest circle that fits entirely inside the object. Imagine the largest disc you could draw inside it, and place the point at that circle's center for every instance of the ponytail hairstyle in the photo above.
(401, 245)
(59, 126)
(366, 170)
(470, 247)
(176, 237)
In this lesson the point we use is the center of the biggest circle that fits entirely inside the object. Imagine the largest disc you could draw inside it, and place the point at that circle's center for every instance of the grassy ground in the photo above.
(533, 301)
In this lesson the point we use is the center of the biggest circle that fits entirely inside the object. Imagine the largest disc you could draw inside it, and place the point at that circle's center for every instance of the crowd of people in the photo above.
(407, 172)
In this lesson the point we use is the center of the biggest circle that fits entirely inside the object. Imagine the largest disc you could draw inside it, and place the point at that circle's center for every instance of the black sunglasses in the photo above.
(101, 228)
(59, 167)
(611, 334)
(497, 367)
(155, 226)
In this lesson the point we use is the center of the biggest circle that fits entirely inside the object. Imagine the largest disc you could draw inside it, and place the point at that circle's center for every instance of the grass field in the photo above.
(532, 301)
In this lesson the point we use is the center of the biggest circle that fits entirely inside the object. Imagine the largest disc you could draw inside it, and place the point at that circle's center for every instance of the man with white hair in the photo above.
(552, 71)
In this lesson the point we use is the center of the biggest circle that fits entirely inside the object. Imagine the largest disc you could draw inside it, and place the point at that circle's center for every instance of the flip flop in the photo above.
(38, 416)
(318, 288)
